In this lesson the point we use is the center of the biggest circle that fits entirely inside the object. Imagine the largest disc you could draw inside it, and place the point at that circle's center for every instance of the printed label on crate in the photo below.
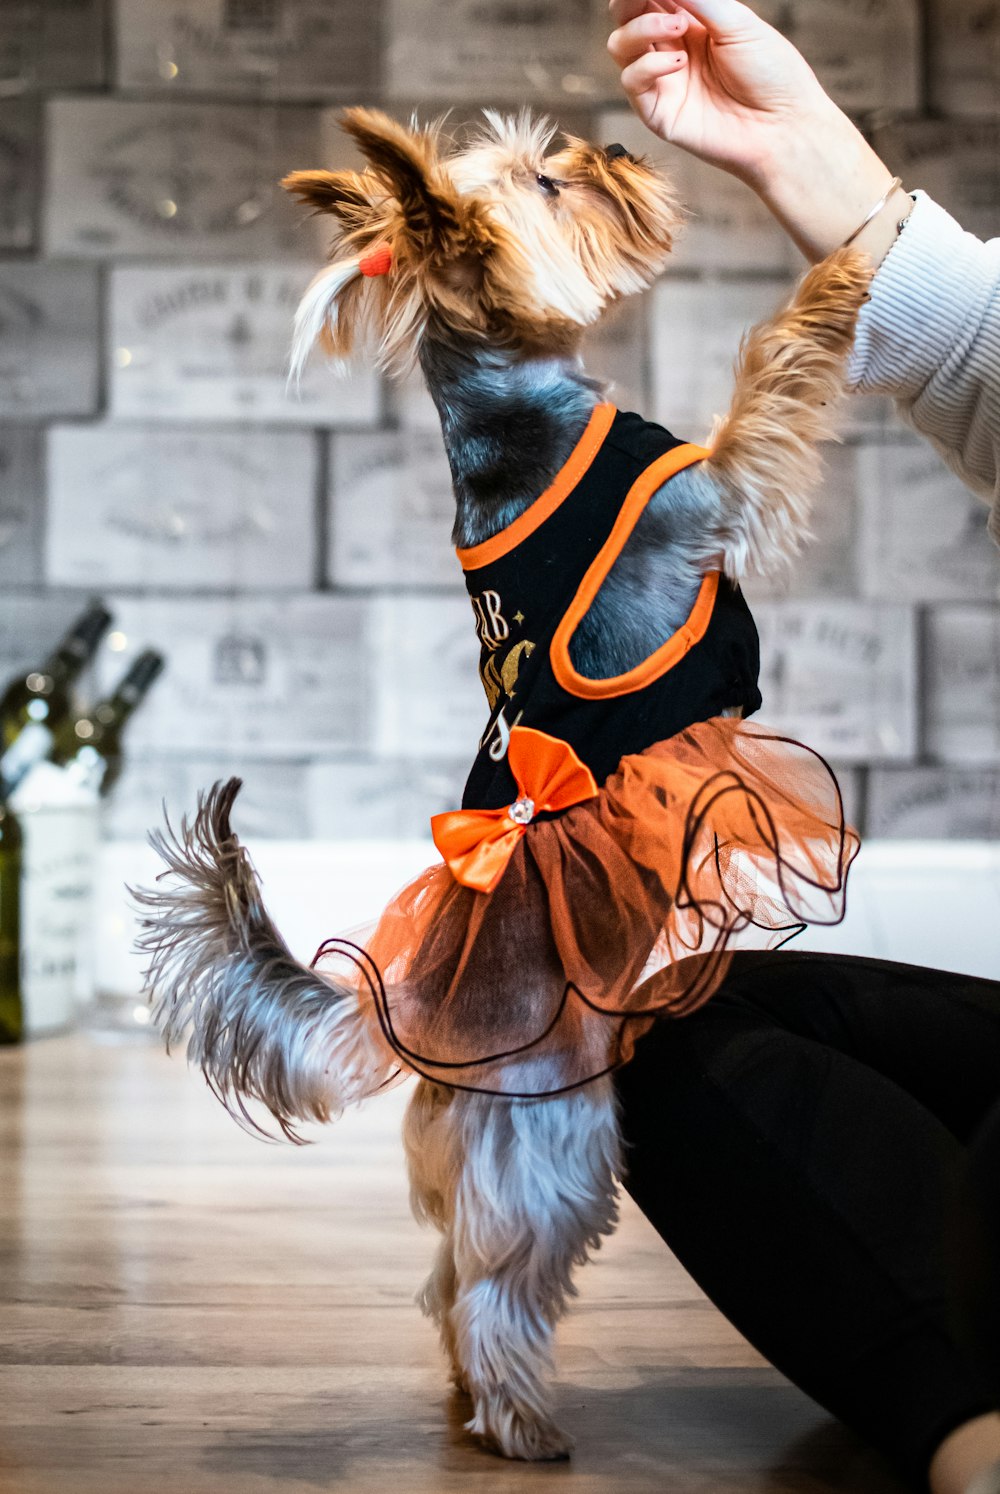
(19, 178)
(957, 161)
(51, 44)
(180, 508)
(31, 624)
(180, 179)
(264, 48)
(48, 340)
(430, 699)
(518, 52)
(20, 505)
(923, 534)
(211, 342)
(965, 57)
(384, 800)
(934, 803)
(725, 226)
(697, 327)
(615, 351)
(841, 677)
(410, 406)
(278, 678)
(849, 781)
(272, 804)
(392, 511)
(963, 684)
(866, 53)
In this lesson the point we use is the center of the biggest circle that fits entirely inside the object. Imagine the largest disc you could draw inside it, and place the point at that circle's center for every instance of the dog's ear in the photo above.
(407, 161)
(408, 248)
(346, 194)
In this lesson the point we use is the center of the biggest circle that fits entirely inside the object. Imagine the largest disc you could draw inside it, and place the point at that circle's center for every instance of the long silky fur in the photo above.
(765, 460)
(523, 1192)
(263, 1026)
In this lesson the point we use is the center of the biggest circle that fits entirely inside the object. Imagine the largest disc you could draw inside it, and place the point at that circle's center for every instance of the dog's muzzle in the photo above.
(614, 152)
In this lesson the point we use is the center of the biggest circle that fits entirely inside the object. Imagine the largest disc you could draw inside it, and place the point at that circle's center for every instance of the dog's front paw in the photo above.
(509, 1432)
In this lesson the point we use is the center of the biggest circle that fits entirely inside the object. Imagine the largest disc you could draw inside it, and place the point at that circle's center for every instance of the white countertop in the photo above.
(926, 902)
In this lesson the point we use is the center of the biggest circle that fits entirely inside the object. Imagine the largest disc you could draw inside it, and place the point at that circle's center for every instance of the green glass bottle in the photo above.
(11, 1006)
(89, 746)
(43, 696)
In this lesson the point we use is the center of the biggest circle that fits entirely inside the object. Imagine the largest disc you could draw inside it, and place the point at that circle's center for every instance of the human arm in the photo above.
(930, 338)
(730, 89)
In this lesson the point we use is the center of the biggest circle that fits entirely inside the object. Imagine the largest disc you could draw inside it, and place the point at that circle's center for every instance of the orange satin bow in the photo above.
(478, 843)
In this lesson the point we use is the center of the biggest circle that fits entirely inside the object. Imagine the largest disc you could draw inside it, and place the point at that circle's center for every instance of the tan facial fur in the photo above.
(499, 241)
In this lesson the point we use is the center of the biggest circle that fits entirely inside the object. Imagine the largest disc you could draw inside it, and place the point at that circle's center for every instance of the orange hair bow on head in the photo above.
(478, 843)
(377, 261)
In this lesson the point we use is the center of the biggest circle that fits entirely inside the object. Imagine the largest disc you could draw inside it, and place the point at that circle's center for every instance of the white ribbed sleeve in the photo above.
(930, 337)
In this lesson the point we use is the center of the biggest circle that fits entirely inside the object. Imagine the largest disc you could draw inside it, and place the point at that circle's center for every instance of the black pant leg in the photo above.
(805, 1190)
(935, 1033)
(976, 1248)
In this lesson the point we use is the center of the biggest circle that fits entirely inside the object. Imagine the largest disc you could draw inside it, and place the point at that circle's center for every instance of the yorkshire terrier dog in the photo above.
(485, 263)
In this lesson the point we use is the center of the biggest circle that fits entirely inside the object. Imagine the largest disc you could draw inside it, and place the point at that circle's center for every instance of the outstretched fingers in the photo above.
(720, 17)
(636, 36)
(643, 75)
(623, 11)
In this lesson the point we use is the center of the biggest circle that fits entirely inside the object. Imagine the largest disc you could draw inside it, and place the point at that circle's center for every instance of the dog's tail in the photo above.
(263, 1026)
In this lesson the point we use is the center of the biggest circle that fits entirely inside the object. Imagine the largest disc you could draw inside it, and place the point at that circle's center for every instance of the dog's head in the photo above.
(498, 242)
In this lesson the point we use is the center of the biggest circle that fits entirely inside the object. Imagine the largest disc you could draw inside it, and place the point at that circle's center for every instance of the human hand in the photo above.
(713, 78)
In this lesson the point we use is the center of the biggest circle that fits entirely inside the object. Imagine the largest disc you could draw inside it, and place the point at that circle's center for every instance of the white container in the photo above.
(59, 860)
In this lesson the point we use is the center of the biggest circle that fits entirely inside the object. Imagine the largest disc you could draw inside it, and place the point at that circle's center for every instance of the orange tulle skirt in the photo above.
(620, 910)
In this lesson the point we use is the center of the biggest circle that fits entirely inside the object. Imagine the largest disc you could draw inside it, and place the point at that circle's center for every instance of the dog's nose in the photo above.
(612, 153)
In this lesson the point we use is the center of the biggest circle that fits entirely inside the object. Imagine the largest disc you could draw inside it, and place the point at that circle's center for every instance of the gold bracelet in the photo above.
(897, 181)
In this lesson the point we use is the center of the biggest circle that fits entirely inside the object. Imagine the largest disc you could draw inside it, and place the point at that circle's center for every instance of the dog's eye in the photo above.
(547, 185)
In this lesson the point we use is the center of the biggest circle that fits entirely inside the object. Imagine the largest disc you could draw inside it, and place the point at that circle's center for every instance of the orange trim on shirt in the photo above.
(679, 643)
(562, 485)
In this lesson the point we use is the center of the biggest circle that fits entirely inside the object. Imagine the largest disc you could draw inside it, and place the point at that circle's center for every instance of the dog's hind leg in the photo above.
(535, 1195)
(432, 1158)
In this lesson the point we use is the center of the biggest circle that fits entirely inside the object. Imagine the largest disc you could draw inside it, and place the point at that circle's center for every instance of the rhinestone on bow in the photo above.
(522, 811)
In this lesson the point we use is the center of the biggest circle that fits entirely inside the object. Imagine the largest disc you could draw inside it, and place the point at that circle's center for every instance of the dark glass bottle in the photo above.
(89, 746)
(11, 1006)
(43, 696)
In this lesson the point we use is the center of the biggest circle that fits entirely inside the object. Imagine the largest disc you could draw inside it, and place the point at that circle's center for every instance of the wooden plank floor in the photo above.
(188, 1311)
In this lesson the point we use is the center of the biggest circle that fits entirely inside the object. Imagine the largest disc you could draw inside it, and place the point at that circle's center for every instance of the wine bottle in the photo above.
(11, 1007)
(43, 696)
(89, 746)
